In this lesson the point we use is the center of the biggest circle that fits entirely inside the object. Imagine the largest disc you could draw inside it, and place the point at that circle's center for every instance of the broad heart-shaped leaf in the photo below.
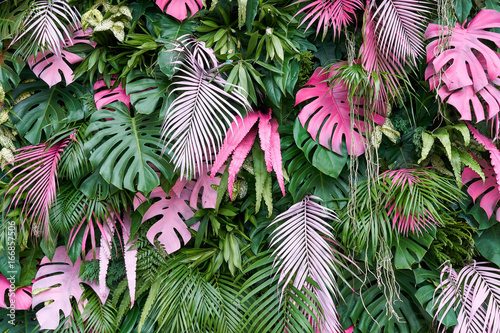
(487, 244)
(410, 250)
(126, 148)
(173, 209)
(9, 72)
(489, 189)
(47, 110)
(21, 296)
(468, 66)
(327, 117)
(178, 8)
(61, 276)
(146, 93)
(104, 95)
(49, 66)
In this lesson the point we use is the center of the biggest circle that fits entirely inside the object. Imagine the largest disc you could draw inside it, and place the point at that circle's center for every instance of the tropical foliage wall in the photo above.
(250, 166)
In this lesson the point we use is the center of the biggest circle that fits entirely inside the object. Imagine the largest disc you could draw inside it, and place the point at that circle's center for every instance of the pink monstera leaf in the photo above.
(327, 117)
(238, 143)
(52, 67)
(22, 296)
(202, 191)
(489, 189)
(61, 276)
(467, 68)
(104, 95)
(178, 8)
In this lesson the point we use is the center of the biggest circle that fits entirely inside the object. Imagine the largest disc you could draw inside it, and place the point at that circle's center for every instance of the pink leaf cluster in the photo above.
(239, 141)
(329, 13)
(178, 8)
(104, 96)
(404, 220)
(328, 117)
(22, 296)
(62, 277)
(36, 176)
(467, 70)
(173, 209)
(52, 67)
(489, 189)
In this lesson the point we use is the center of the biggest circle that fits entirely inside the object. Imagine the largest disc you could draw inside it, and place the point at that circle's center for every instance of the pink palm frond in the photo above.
(35, 177)
(334, 14)
(474, 294)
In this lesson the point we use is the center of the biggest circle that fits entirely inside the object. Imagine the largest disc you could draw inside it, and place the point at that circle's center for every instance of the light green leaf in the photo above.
(427, 143)
(443, 135)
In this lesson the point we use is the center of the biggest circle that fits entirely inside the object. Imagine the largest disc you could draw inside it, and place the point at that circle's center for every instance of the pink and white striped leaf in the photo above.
(62, 277)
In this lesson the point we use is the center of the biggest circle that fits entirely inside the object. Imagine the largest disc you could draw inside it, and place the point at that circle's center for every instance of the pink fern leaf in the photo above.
(61, 276)
(490, 147)
(36, 176)
(489, 189)
(22, 295)
(239, 155)
(265, 138)
(104, 95)
(467, 67)
(178, 8)
(276, 155)
(52, 67)
(172, 209)
(105, 255)
(327, 117)
(130, 256)
(334, 14)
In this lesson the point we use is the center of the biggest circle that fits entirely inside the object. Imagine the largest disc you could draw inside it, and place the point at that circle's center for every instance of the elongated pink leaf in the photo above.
(35, 174)
(265, 138)
(21, 297)
(239, 155)
(489, 188)
(490, 147)
(105, 96)
(105, 254)
(276, 155)
(334, 14)
(178, 8)
(130, 256)
(327, 117)
(467, 67)
(61, 276)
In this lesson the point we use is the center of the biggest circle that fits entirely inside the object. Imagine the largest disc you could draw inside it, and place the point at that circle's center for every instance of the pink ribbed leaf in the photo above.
(62, 277)
(334, 14)
(52, 67)
(276, 155)
(35, 175)
(130, 256)
(474, 294)
(467, 67)
(104, 95)
(178, 8)
(489, 189)
(105, 255)
(327, 117)
(239, 155)
(22, 295)
(490, 147)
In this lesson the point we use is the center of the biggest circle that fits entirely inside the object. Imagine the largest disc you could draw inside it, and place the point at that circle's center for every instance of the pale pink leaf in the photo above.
(265, 138)
(22, 296)
(201, 190)
(130, 256)
(178, 8)
(62, 277)
(105, 254)
(276, 155)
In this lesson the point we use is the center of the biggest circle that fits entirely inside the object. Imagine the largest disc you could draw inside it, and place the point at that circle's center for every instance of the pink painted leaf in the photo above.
(22, 295)
(276, 155)
(489, 189)
(178, 8)
(52, 67)
(130, 256)
(62, 277)
(239, 155)
(35, 175)
(468, 66)
(172, 210)
(105, 254)
(104, 95)
(334, 14)
(265, 138)
(490, 147)
(327, 116)
(202, 191)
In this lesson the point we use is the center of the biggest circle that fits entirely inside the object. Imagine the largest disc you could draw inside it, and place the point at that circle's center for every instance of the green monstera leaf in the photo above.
(127, 148)
(46, 110)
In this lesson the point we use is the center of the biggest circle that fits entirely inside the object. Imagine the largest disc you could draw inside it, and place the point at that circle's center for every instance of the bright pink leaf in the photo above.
(104, 95)
(22, 296)
(327, 117)
(265, 138)
(239, 155)
(276, 154)
(178, 8)
(467, 66)
(490, 147)
(489, 189)
(61, 276)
